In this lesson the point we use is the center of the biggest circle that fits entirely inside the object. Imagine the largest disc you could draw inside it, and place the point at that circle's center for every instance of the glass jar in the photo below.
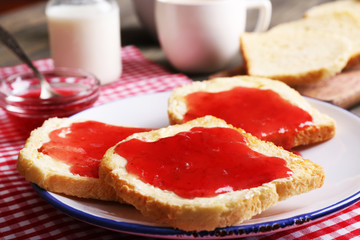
(85, 34)
(20, 96)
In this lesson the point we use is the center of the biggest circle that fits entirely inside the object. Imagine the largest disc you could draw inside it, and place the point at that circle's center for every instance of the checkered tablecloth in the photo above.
(24, 215)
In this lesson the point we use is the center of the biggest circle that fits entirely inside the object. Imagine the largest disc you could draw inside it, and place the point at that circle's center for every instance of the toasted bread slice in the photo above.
(323, 127)
(296, 58)
(55, 174)
(202, 212)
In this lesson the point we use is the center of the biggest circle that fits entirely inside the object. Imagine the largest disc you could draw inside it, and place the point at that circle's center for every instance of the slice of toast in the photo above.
(323, 127)
(46, 165)
(296, 58)
(188, 206)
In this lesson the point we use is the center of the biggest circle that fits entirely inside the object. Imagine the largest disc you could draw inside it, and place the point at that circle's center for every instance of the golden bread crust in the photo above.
(55, 176)
(325, 126)
(208, 213)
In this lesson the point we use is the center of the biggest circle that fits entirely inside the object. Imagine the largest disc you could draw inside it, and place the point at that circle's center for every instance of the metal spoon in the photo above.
(46, 91)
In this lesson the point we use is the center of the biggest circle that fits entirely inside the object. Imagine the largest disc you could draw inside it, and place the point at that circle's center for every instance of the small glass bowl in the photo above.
(20, 95)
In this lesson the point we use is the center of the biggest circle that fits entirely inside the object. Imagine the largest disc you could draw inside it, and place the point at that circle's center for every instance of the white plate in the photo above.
(339, 157)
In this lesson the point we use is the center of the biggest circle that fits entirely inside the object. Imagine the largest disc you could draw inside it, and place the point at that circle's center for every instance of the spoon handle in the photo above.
(12, 44)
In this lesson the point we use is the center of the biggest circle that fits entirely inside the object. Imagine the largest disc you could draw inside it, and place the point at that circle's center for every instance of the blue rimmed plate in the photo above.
(339, 157)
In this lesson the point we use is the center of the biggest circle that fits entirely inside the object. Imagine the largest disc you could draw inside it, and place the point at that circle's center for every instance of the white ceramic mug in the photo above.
(203, 36)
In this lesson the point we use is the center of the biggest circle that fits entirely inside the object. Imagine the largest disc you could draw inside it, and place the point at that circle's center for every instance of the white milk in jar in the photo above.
(86, 35)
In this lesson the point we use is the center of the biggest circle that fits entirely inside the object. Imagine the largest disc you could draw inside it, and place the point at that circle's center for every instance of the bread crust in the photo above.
(208, 213)
(324, 125)
(53, 175)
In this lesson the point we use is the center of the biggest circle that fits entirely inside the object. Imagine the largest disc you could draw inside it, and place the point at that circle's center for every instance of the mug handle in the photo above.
(265, 10)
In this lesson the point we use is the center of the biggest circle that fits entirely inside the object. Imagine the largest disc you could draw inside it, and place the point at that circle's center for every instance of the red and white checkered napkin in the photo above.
(24, 215)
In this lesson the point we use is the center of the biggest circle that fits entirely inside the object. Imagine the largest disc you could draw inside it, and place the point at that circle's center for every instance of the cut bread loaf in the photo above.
(341, 24)
(308, 50)
(56, 175)
(203, 212)
(296, 57)
(323, 127)
(339, 6)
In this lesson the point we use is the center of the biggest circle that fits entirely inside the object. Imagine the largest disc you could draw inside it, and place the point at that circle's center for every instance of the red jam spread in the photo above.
(83, 144)
(202, 162)
(263, 113)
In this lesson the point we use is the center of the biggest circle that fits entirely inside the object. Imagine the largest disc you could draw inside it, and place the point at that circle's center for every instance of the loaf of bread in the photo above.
(44, 164)
(295, 57)
(339, 6)
(321, 129)
(308, 50)
(342, 24)
(173, 186)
